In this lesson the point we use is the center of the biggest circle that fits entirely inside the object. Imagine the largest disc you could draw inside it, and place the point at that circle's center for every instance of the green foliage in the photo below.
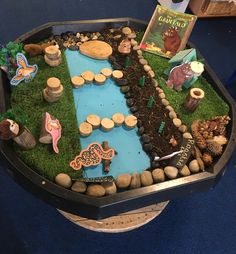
(14, 48)
(16, 114)
(212, 105)
(28, 96)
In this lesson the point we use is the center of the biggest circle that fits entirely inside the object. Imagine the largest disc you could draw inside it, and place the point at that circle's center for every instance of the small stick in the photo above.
(106, 163)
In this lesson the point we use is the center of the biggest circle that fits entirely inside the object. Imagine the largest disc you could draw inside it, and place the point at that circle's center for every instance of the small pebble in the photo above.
(151, 74)
(172, 114)
(133, 42)
(139, 123)
(187, 135)
(63, 180)
(123, 181)
(162, 95)
(185, 171)
(122, 81)
(125, 89)
(126, 30)
(140, 130)
(169, 108)
(79, 187)
(133, 109)
(128, 95)
(147, 68)
(146, 178)
(147, 147)
(132, 35)
(95, 190)
(158, 175)
(165, 102)
(139, 52)
(183, 128)
(143, 61)
(194, 166)
(171, 172)
(110, 188)
(135, 181)
(130, 102)
(177, 122)
(145, 138)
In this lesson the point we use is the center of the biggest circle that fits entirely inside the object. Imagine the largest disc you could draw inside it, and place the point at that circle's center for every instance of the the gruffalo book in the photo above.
(168, 32)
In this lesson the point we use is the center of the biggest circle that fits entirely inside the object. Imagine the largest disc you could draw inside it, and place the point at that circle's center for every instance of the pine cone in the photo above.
(214, 148)
(207, 159)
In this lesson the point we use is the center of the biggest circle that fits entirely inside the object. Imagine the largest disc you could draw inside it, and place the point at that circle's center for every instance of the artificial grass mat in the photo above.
(212, 105)
(28, 96)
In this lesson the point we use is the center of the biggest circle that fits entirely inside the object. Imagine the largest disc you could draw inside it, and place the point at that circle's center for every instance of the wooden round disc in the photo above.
(130, 121)
(88, 76)
(51, 51)
(117, 74)
(54, 57)
(96, 49)
(94, 120)
(107, 124)
(53, 84)
(100, 79)
(106, 72)
(121, 223)
(118, 119)
(77, 81)
(85, 129)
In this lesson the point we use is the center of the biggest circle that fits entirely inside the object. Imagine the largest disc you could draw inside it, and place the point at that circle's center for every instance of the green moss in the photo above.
(212, 105)
(28, 96)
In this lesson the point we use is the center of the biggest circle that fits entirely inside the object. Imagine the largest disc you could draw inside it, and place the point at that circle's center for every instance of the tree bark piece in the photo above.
(194, 98)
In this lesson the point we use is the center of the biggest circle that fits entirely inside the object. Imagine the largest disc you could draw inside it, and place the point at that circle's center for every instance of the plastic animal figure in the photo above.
(171, 40)
(91, 156)
(24, 71)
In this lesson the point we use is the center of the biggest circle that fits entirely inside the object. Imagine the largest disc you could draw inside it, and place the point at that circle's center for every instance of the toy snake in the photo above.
(91, 156)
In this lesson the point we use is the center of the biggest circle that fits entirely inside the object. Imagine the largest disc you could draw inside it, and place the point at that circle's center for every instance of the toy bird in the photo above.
(24, 71)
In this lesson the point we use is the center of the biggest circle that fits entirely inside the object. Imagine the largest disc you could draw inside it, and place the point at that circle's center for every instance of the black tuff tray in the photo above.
(98, 208)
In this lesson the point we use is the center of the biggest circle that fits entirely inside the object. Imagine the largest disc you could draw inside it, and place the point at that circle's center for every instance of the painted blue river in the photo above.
(105, 100)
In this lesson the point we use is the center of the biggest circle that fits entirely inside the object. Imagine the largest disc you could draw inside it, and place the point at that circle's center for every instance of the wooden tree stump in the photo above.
(106, 163)
(193, 99)
(25, 139)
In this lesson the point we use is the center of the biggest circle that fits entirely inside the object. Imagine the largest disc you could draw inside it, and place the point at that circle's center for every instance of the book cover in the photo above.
(167, 32)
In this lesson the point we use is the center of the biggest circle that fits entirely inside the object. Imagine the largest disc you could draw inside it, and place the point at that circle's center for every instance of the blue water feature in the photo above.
(105, 100)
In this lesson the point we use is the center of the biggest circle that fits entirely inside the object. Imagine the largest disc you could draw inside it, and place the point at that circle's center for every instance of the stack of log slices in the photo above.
(53, 90)
(52, 56)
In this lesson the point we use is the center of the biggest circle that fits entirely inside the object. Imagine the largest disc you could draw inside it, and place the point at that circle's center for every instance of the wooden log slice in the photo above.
(25, 139)
(85, 129)
(118, 119)
(53, 84)
(130, 121)
(52, 63)
(51, 51)
(45, 137)
(100, 79)
(96, 49)
(107, 124)
(88, 76)
(117, 74)
(54, 57)
(94, 120)
(107, 72)
(77, 81)
(57, 93)
(48, 98)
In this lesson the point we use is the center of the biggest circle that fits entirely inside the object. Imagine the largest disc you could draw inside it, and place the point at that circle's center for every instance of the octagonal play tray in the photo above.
(98, 208)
